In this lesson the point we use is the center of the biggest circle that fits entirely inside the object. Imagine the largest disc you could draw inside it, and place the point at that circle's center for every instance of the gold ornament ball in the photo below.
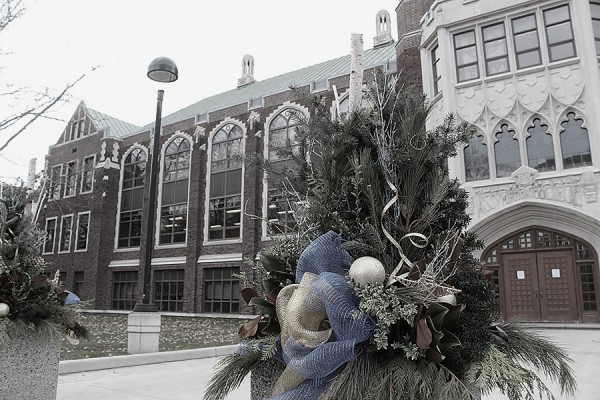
(4, 310)
(365, 270)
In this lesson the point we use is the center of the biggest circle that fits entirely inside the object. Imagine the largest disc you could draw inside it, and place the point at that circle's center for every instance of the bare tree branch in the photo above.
(37, 114)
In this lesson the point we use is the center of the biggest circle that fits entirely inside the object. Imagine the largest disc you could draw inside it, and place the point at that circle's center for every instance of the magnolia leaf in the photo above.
(453, 314)
(270, 284)
(264, 305)
(250, 328)
(424, 335)
(268, 261)
(434, 355)
(270, 326)
(437, 313)
(436, 334)
(272, 296)
(248, 294)
(449, 340)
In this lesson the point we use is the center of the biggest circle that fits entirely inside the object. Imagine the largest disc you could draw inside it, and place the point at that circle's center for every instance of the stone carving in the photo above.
(115, 153)
(524, 176)
(533, 91)
(567, 84)
(501, 97)
(470, 103)
(103, 151)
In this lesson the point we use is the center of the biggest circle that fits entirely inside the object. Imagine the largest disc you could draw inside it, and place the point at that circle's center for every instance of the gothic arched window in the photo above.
(225, 198)
(132, 199)
(540, 150)
(477, 165)
(174, 195)
(506, 150)
(280, 202)
(575, 143)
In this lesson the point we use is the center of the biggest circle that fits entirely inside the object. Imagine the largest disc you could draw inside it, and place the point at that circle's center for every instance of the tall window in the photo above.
(225, 199)
(71, 179)
(83, 226)
(168, 290)
(132, 199)
(282, 135)
(77, 129)
(173, 210)
(437, 74)
(78, 283)
(55, 179)
(595, 8)
(50, 235)
(466, 56)
(124, 290)
(540, 150)
(66, 224)
(527, 43)
(87, 174)
(559, 33)
(495, 49)
(506, 150)
(477, 165)
(221, 290)
(575, 143)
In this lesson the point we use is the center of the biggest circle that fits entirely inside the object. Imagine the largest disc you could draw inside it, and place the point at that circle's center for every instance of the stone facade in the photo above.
(499, 69)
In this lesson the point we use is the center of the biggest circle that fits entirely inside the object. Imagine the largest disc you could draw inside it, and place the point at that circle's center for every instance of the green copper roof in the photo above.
(281, 83)
(116, 127)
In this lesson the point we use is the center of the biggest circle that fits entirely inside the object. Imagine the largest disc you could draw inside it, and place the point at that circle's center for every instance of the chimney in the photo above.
(247, 71)
(384, 29)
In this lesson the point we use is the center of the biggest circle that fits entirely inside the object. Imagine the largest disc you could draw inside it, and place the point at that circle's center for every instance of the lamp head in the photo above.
(163, 69)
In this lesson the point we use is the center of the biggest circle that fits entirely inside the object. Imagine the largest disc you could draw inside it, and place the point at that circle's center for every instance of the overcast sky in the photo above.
(57, 41)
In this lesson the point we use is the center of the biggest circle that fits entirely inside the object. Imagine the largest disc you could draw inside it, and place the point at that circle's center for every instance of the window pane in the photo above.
(524, 23)
(467, 73)
(562, 51)
(540, 149)
(507, 152)
(467, 55)
(496, 48)
(476, 160)
(529, 59)
(556, 15)
(526, 41)
(464, 39)
(493, 32)
(497, 66)
(560, 33)
(575, 143)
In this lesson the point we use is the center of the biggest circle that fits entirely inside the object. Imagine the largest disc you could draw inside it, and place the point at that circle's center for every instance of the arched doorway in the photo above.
(543, 274)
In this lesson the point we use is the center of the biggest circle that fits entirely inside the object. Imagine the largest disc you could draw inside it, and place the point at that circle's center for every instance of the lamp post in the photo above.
(161, 69)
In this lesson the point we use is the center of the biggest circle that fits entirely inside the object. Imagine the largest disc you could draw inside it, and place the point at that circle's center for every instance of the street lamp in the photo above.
(161, 69)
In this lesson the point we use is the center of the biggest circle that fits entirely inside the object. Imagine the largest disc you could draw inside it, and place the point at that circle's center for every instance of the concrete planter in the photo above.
(29, 367)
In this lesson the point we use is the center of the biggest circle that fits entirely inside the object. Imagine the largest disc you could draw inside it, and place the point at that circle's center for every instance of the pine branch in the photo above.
(233, 369)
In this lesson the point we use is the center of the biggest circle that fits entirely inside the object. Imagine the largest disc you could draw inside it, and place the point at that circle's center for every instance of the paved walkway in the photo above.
(186, 380)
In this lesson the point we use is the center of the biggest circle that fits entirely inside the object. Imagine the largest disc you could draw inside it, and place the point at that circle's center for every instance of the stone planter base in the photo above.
(29, 367)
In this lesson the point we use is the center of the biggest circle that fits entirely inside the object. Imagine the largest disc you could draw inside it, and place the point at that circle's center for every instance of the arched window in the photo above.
(506, 149)
(225, 200)
(282, 139)
(477, 165)
(540, 150)
(174, 198)
(575, 143)
(132, 199)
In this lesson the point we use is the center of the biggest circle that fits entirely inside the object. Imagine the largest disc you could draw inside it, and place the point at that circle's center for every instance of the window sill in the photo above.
(80, 251)
(126, 249)
(221, 242)
(170, 246)
(63, 251)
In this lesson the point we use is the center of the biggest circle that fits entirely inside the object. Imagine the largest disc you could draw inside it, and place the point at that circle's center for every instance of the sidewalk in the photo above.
(186, 380)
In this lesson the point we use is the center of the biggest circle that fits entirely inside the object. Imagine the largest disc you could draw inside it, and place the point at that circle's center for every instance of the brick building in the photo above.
(96, 191)
(524, 73)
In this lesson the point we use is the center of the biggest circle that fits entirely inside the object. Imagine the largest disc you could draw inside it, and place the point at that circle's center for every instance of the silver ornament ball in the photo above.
(365, 270)
(4, 310)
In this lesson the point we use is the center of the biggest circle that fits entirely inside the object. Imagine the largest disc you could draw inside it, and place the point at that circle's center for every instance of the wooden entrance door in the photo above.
(540, 286)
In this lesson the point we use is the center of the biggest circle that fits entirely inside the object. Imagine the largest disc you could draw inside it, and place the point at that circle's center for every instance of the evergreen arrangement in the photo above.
(378, 294)
(29, 300)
